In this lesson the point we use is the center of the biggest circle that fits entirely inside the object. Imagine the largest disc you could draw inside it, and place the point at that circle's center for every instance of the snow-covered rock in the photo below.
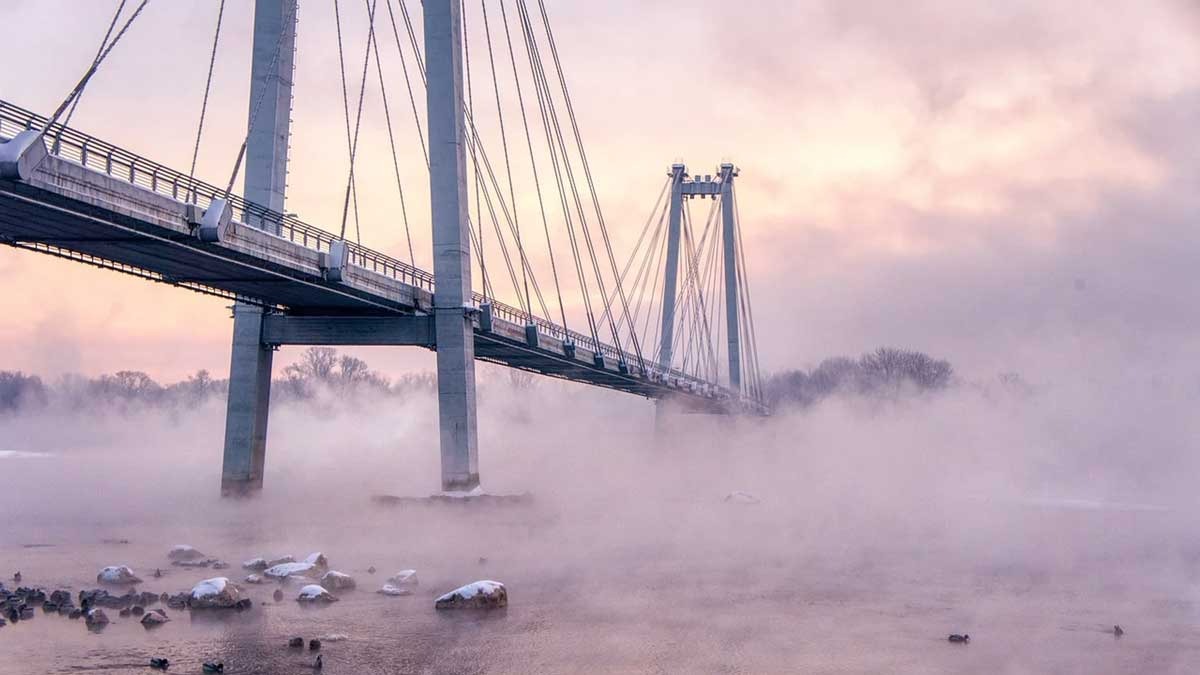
(315, 593)
(403, 578)
(155, 618)
(117, 574)
(318, 560)
(253, 579)
(202, 562)
(96, 617)
(217, 593)
(479, 595)
(389, 589)
(262, 563)
(285, 570)
(739, 497)
(183, 552)
(337, 581)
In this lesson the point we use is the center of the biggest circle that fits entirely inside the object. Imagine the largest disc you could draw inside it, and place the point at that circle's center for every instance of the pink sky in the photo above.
(1009, 184)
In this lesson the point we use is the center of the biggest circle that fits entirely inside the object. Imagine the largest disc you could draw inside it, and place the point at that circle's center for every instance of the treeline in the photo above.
(319, 369)
(884, 372)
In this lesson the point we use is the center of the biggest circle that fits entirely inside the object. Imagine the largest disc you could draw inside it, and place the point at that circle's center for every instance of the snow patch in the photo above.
(471, 590)
(288, 569)
(209, 587)
(315, 593)
(117, 574)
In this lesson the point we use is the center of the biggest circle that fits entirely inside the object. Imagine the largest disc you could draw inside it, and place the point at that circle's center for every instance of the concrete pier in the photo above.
(272, 67)
(451, 246)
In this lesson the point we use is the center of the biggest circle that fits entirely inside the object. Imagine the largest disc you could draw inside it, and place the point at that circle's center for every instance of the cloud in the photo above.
(1001, 183)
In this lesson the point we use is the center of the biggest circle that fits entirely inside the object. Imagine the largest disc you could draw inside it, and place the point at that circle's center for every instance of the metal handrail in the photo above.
(99, 155)
(93, 153)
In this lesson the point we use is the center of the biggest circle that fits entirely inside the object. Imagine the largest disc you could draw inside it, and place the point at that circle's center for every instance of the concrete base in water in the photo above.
(474, 498)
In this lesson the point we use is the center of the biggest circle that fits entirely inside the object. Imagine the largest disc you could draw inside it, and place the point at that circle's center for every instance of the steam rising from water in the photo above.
(987, 502)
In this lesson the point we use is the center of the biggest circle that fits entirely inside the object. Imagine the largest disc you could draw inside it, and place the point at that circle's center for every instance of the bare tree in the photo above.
(18, 389)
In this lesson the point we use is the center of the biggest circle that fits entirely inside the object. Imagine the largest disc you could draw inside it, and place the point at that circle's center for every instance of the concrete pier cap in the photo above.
(22, 155)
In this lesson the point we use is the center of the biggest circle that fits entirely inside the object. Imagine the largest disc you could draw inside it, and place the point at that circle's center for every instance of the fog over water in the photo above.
(1033, 519)
(1008, 185)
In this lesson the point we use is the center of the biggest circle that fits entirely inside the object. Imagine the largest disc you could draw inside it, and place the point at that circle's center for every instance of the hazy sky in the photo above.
(1010, 184)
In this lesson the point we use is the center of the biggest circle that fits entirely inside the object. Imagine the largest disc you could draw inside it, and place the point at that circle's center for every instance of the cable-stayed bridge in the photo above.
(656, 326)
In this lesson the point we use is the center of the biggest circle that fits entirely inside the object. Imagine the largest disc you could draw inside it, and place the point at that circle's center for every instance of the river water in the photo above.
(605, 574)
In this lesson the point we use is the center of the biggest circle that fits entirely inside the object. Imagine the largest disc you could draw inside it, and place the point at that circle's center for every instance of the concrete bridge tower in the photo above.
(266, 181)
(271, 70)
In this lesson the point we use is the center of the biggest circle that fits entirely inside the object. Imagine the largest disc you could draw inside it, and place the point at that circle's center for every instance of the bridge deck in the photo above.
(92, 202)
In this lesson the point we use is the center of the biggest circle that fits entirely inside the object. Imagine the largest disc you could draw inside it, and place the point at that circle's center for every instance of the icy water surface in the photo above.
(701, 612)
(627, 566)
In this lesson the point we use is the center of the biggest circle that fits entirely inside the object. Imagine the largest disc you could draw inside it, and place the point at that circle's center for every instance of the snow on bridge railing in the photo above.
(93, 153)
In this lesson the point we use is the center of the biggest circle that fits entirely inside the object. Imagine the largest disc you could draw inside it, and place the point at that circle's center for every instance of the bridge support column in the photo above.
(732, 324)
(271, 69)
(248, 405)
(671, 275)
(451, 246)
(662, 409)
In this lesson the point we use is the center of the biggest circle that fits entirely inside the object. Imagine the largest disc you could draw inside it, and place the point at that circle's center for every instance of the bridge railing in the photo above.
(98, 155)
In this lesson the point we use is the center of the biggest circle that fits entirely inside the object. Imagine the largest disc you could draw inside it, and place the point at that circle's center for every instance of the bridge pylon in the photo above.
(453, 312)
(246, 415)
(684, 187)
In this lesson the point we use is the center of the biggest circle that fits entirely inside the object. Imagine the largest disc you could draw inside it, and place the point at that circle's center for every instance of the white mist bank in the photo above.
(966, 471)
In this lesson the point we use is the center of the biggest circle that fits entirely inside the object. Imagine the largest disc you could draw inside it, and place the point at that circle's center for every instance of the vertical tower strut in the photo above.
(272, 66)
(451, 246)
(670, 278)
(729, 227)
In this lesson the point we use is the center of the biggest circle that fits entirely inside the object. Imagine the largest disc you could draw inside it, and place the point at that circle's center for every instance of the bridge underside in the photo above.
(35, 219)
(72, 212)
